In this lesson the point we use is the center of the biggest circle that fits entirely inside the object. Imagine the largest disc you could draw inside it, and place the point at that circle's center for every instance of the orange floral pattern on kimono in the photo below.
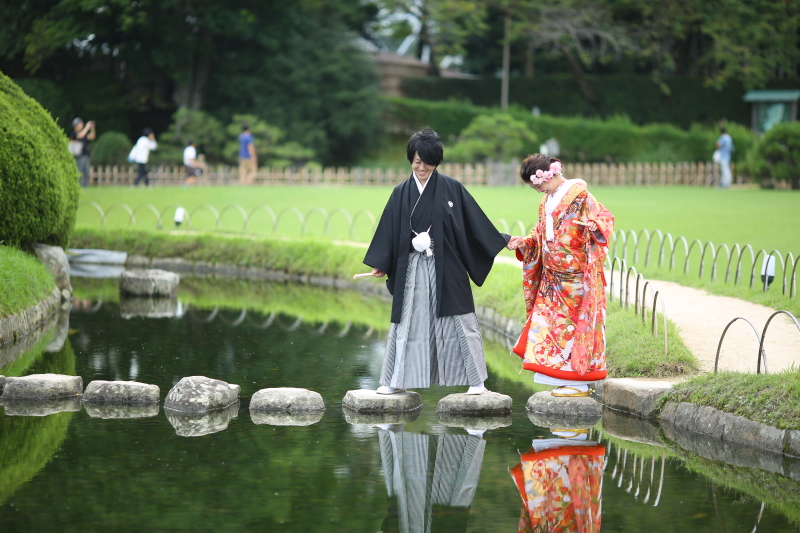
(560, 489)
(563, 284)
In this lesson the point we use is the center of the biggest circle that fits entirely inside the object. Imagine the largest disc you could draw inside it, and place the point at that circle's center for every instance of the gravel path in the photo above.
(702, 318)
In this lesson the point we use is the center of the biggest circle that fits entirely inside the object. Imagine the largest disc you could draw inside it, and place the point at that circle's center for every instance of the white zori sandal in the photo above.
(383, 389)
(577, 390)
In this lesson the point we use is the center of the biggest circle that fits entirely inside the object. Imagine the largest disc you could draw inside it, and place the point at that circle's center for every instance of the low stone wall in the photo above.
(722, 427)
(17, 326)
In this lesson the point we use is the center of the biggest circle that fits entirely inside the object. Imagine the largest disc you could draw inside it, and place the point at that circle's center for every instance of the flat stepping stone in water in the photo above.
(488, 403)
(550, 411)
(384, 418)
(369, 401)
(147, 306)
(114, 412)
(151, 282)
(199, 424)
(45, 407)
(288, 399)
(121, 393)
(42, 387)
(286, 418)
(197, 394)
(478, 422)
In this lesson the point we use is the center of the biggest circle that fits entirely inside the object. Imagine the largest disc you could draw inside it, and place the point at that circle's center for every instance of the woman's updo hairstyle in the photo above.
(533, 163)
(428, 145)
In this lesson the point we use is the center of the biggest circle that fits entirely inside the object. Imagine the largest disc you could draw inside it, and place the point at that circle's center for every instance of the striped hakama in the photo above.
(430, 479)
(424, 349)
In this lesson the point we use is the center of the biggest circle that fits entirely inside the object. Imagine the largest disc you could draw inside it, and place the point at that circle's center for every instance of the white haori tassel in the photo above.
(422, 243)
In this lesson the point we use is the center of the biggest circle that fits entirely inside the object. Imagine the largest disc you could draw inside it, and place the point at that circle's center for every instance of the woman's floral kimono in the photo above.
(563, 284)
(560, 489)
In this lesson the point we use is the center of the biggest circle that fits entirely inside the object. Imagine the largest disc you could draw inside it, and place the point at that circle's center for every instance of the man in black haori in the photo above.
(431, 240)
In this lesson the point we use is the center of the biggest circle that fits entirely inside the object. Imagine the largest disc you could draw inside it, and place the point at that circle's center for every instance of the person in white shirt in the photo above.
(141, 153)
(190, 163)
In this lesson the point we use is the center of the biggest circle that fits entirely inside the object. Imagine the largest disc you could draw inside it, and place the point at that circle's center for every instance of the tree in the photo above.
(270, 150)
(777, 155)
(294, 62)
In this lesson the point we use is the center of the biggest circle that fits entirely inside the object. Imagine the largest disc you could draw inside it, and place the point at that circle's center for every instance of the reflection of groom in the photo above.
(430, 480)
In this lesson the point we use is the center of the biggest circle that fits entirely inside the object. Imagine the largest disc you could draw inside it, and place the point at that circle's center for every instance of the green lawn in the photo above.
(763, 218)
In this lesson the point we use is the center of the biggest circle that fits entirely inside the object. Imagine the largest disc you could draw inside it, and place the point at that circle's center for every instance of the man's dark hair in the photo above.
(535, 162)
(723, 129)
(245, 127)
(190, 142)
(147, 132)
(428, 145)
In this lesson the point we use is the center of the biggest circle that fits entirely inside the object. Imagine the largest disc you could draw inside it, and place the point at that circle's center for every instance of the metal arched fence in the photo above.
(762, 355)
(640, 288)
(711, 257)
(246, 216)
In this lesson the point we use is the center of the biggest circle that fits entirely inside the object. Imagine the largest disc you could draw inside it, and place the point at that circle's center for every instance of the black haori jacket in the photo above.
(465, 242)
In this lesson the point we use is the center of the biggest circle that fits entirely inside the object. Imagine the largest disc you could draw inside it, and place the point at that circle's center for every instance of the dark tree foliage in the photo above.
(294, 63)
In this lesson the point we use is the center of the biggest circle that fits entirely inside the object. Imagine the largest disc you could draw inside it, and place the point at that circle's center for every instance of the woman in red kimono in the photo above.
(560, 481)
(563, 340)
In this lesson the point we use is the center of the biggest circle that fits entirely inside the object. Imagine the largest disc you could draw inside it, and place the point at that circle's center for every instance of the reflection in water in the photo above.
(560, 481)
(430, 479)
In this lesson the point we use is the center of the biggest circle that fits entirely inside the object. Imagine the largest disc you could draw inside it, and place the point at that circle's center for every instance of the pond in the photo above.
(70, 471)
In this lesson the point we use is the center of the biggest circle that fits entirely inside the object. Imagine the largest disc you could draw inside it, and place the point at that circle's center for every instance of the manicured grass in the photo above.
(636, 353)
(773, 399)
(24, 281)
(764, 218)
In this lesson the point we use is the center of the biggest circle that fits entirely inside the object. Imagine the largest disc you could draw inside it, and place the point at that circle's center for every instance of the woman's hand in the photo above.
(378, 273)
(515, 243)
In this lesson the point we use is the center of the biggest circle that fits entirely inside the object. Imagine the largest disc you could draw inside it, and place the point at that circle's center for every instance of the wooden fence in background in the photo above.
(616, 174)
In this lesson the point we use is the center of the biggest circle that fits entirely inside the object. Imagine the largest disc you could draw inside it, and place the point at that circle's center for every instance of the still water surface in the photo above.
(71, 472)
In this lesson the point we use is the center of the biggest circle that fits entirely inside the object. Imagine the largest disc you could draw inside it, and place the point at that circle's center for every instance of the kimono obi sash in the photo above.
(559, 258)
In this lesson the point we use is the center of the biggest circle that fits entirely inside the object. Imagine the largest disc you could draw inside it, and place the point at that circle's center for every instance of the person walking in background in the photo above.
(247, 156)
(190, 163)
(79, 139)
(141, 154)
(725, 150)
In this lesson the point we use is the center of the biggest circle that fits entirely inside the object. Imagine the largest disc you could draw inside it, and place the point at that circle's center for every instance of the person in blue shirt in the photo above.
(725, 149)
(247, 157)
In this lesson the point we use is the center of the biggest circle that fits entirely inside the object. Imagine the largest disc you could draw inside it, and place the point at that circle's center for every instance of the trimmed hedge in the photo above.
(581, 139)
(689, 100)
(38, 176)
(777, 156)
(111, 148)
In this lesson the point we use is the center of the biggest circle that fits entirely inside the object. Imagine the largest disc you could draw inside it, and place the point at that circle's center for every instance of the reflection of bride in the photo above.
(430, 480)
(560, 481)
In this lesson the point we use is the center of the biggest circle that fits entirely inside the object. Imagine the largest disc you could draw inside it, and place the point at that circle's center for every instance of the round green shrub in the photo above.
(38, 176)
(111, 148)
(776, 157)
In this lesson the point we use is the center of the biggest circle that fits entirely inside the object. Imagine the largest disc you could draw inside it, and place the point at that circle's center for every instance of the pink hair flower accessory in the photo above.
(542, 176)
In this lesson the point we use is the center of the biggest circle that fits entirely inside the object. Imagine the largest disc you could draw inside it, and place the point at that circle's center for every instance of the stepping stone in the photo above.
(197, 394)
(44, 407)
(110, 411)
(479, 422)
(489, 403)
(151, 282)
(289, 399)
(121, 393)
(639, 397)
(369, 401)
(374, 419)
(283, 418)
(42, 387)
(550, 411)
(199, 424)
(2, 384)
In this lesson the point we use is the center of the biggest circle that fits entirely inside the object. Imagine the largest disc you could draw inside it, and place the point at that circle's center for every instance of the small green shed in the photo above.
(772, 107)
